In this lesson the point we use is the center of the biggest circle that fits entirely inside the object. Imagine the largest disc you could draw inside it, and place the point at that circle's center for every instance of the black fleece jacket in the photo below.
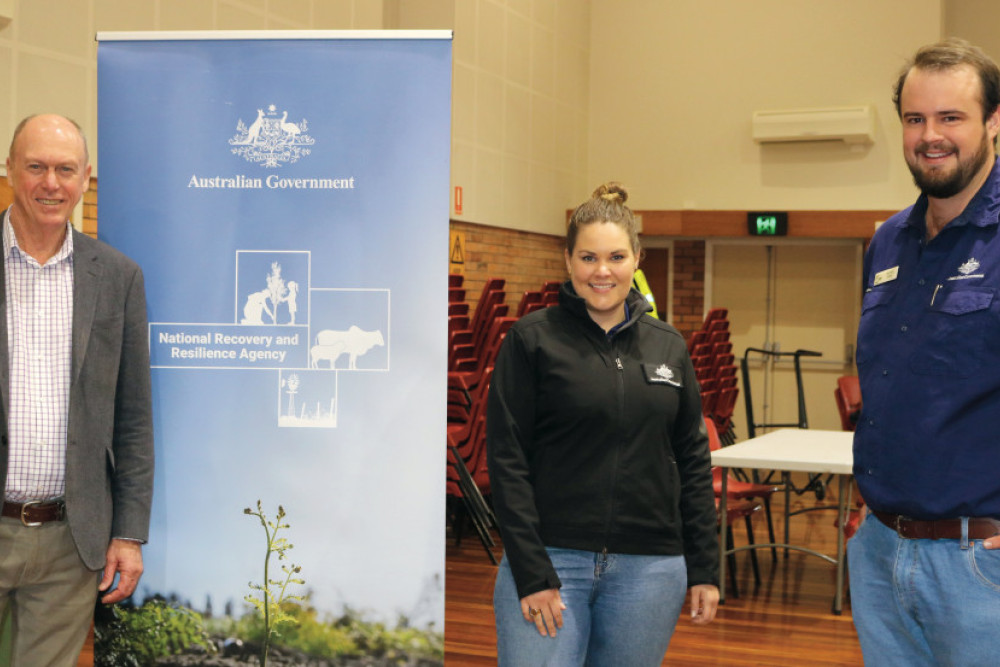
(597, 443)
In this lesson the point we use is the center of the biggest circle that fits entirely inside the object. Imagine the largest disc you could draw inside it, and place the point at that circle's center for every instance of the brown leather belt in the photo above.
(35, 512)
(943, 529)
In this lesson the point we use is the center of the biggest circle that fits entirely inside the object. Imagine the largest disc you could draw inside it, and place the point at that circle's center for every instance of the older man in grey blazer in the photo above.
(76, 444)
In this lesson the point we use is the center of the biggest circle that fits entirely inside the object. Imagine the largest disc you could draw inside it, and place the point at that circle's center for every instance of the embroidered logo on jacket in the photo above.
(661, 374)
(968, 270)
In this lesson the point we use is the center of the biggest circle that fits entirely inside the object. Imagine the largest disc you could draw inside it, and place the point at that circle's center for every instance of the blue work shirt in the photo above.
(927, 443)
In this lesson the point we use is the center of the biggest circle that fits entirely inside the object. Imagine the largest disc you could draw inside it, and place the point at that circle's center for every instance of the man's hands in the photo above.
(124, 559)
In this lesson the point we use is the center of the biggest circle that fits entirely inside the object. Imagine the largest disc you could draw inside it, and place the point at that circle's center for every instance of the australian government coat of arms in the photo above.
(271, 140)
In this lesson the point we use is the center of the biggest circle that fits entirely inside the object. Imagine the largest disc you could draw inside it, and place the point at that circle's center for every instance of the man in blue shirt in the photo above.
(925, 583)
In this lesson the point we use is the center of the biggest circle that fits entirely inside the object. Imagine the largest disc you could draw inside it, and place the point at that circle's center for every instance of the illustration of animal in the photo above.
(253, 132)
(354, 342)
(291, 130)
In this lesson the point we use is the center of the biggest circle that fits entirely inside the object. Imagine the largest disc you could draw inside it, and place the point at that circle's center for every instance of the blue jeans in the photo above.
(620, 610)
(923, 603)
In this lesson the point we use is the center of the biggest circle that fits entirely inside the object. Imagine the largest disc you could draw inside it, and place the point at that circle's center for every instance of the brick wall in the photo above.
(524, 259)
(689, 285)
(90, 210)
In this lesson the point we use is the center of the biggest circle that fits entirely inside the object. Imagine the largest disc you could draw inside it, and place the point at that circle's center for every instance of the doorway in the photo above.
(783, 296)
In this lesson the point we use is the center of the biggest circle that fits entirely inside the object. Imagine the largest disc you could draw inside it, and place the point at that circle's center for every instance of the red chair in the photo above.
(707, 401)
(470, 381)
(848, 397)
(529, 301)
(737, 490)
(725, 376)
(468, 344)
(713, 315)
(718, 337)
(722, 346)
(717, 326)
(736, 510)
(721, 361)
(467, 480)
(702, 350)
(551, 286)
(697, 338)
(722, 414)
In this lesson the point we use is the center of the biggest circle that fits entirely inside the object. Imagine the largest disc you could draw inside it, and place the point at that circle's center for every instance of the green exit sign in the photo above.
(767, 223)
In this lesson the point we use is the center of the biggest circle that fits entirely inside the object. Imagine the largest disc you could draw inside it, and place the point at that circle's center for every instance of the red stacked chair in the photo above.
(714, 365)
(530, 301)
(459, 341)
(697, 338)
(467, 479)
(472, 354)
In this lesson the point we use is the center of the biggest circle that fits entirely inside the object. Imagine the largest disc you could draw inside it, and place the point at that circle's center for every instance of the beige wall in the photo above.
(976, 21)
(674, 85)
(553, 96)
(520, 119)
(48, 53)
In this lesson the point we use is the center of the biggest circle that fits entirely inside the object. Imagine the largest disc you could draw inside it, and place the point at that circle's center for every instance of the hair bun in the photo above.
(611, 191)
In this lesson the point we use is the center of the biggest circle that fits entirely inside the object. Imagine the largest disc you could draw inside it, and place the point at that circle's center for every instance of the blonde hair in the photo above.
(607, 204)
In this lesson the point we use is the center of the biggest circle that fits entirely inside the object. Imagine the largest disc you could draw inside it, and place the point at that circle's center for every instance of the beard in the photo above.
(944, 184)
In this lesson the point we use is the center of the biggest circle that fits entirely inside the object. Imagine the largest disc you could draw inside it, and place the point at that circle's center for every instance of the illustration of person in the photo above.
(255, 306)
(293, 290)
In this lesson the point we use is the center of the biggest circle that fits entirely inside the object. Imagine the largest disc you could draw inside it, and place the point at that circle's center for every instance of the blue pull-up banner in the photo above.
(286, 195)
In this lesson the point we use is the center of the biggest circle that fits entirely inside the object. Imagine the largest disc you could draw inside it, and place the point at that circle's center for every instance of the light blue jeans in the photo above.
(923, 603)
(620, 610)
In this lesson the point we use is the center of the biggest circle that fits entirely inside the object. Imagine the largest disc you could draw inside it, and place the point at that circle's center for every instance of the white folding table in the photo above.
(792, 450)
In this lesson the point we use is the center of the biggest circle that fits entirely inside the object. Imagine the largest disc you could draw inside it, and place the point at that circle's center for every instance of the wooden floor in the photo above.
(86, 658)
(787, 621)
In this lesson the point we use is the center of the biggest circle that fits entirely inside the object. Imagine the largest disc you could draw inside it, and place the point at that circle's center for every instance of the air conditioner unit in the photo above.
(853, 125)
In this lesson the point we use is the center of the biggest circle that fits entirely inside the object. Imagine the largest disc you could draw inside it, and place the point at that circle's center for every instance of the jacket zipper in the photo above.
(620, 427)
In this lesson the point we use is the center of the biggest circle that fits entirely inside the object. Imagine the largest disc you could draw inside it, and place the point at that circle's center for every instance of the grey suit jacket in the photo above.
(109, 448)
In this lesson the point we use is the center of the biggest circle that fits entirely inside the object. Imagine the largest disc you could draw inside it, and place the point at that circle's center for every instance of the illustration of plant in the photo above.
(269, 597)
(277, 291)
(136, 636)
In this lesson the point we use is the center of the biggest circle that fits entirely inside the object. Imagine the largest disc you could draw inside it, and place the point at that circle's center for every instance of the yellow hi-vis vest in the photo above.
(639, 282)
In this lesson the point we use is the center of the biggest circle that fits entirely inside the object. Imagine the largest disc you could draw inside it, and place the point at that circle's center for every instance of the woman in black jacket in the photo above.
(599, 465)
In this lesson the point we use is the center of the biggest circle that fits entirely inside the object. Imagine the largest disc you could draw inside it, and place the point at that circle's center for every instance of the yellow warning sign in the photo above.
(456, 253)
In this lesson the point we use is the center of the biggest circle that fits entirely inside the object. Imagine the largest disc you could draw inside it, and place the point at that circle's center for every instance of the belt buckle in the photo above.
(24, 518)
(899, 526)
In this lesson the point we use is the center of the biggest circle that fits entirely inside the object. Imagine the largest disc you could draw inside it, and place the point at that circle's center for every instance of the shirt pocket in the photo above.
(873, 305)
(954, 341)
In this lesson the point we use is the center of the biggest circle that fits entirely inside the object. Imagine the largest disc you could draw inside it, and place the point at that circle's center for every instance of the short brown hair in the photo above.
(953, 53)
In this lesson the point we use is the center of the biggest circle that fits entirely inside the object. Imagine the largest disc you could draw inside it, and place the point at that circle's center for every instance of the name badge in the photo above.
(886, 276)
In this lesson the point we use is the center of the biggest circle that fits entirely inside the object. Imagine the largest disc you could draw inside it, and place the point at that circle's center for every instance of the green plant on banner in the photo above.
(270, 596)
(137, 636)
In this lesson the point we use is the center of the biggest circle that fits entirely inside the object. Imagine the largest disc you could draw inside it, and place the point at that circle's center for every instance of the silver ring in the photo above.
(532, 612)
